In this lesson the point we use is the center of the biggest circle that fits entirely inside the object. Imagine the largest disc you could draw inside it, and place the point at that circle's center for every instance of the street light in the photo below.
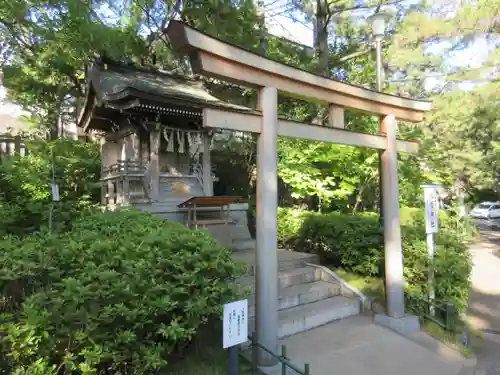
(378, 23)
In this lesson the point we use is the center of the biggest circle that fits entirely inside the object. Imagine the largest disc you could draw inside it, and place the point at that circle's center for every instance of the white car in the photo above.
(486, 210)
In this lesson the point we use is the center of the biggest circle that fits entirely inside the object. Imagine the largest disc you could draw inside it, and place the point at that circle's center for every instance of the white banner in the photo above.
(431, 197)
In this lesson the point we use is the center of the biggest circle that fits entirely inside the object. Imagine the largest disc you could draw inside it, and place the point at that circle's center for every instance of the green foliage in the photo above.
(25, 184)
(354, 242)
(463, 135)
(351, 241)
(459, 135)
(427, 40)
(452, 262)
(48, 44)
(117, 294)
(234, 162)
(45, 45)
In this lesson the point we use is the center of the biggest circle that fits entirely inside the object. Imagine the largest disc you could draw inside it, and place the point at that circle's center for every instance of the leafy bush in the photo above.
(354, 242)
(452, 260)
(117, 294)
(350, 241)
(25, 184)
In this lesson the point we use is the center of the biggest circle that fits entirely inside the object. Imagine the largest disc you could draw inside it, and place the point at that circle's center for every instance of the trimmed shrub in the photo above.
(354, 242)
(119, 293)
(350, 241)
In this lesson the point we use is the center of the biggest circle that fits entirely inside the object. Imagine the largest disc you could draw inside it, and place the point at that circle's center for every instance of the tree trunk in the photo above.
(320, 49)
(359, 198)
(321, 36)
(261, 13)
(54, 123)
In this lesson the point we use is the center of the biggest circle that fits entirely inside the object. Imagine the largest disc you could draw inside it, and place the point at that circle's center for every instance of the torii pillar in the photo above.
(266, 262)
(396, 317)
(392, 223)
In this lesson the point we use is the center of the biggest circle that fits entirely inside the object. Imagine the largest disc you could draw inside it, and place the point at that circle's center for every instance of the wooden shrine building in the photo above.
(155, 151)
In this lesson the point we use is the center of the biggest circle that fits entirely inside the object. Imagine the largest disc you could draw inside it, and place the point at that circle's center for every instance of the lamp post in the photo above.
(378, 23)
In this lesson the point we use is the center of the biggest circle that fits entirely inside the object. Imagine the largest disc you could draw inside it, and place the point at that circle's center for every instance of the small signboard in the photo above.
(55, 193)
(235, 323)
(431, 197)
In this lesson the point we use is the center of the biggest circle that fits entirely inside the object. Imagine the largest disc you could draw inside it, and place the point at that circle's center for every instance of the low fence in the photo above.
(11, 145)
(443, 315)
(286, 366)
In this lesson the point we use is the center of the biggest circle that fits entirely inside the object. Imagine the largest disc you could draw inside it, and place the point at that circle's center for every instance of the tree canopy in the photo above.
(45, 46)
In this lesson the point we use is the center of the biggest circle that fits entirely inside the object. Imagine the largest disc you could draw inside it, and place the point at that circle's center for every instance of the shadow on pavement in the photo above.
(497, 253)
(484, 314)
(484, 310)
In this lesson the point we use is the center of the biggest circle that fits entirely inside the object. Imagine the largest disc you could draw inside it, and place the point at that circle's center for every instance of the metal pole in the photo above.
(379, 87)
(378, 66)
(232, 364)
(430, 250)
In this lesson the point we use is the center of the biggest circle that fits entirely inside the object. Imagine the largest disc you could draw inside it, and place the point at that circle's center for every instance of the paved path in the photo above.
(357, 346)
(484, 301)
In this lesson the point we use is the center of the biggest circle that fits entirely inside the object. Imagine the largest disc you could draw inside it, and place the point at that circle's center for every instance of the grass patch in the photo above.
(368, 285)
(205, 355)
(455, 341)
(210, 361)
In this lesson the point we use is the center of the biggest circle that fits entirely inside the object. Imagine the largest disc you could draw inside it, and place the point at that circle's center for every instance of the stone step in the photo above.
(286, 264)
(242, 244)
(305, 317)
(300, 294)
(287, 277)
(240, 232)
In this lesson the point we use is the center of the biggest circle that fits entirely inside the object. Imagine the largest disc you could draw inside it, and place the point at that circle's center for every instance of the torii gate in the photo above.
(212, 57)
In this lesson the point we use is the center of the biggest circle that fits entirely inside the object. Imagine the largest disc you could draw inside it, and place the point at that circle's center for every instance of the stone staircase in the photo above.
(308, 297)
(236, 236)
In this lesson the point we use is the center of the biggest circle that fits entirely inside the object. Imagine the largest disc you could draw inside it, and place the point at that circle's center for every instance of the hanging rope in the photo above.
(194, 139)
(169, 138)
(181, 140)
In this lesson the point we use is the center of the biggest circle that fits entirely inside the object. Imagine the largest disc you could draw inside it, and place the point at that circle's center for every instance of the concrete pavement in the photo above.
(358, 346)
(484, 301)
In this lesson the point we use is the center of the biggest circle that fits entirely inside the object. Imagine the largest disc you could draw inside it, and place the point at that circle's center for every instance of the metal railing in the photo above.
(444, 315)
(282, 358)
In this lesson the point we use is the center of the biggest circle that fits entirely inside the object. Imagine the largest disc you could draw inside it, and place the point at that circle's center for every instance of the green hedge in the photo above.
(119, 293)
(25, 184)
(354, 242)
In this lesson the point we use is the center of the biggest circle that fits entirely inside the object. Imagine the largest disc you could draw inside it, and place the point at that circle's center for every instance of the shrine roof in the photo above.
(119, 86)
(113, 82)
